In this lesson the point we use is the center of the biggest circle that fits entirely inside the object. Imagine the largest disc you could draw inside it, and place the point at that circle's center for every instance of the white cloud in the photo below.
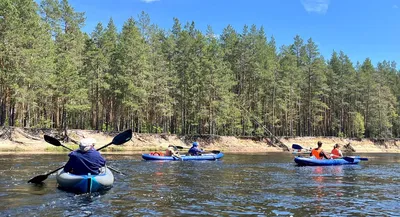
(395, 6)
(316, 6)
(150, 1)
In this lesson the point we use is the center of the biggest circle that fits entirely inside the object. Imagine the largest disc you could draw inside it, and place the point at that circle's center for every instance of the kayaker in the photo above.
(172, 151)
(85, 160)
(194, 150)
(336, 152)
(318, 152)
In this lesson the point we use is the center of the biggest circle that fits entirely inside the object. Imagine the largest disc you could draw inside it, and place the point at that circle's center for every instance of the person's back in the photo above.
(85, 160)
(318, 153)
(194, 150)
(336, 153)
(172, 151)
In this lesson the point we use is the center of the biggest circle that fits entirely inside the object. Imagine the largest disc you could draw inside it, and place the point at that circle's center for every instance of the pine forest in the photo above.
(182, 80)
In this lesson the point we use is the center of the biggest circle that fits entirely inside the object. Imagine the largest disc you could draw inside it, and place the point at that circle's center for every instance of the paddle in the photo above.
(117, 140)
(352, 158)
(55, 142)
(296, 146)
(212, 151)
(40, 178)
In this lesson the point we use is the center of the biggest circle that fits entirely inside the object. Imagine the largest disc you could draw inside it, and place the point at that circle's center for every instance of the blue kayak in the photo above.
(85, 183)
(305, 161)
(184, 157)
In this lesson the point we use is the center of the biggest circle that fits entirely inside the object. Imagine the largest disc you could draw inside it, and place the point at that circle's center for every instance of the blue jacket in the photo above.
(194, 151)
(82, 163)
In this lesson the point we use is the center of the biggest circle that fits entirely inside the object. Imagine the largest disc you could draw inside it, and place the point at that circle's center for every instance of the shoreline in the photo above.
(30, 141)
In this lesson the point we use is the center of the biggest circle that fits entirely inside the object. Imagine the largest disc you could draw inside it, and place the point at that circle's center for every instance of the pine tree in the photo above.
(69, 89)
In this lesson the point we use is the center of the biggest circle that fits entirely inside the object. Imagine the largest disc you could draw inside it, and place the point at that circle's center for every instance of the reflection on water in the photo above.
(265, 185)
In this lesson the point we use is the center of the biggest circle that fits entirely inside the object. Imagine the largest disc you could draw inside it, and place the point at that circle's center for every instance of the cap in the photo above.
(86, 144)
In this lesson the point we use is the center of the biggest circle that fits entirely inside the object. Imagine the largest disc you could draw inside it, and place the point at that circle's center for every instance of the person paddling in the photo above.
(318, 152)
(172, 151)
(194, 150)
(336, 152)
(85, 160)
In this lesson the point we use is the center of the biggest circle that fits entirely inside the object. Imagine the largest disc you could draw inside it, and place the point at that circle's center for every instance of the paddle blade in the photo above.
(351, 159)
(122, 137)
(52, 140)
(38, 179)
(296, 146)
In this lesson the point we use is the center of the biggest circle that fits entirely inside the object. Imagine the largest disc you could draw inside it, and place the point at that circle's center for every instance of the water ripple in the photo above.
(256, 185)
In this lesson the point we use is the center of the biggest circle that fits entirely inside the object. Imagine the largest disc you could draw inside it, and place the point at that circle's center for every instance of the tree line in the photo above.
(181, 80)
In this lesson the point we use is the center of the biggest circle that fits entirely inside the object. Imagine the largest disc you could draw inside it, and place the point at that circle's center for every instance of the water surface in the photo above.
(241, 184)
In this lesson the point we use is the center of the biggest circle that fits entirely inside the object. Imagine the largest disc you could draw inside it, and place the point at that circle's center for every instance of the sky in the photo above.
(359, 28)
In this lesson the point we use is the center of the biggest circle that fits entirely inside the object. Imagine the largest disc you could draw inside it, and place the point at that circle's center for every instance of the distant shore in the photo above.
(31, 141)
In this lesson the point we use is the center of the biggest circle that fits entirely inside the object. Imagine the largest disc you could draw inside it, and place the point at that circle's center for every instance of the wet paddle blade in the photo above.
(296, 146)
(52, 140)
(38, 179)
(122, 137)
(351, 159)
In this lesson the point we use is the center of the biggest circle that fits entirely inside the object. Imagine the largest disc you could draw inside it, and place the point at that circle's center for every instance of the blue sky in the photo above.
(361, 28)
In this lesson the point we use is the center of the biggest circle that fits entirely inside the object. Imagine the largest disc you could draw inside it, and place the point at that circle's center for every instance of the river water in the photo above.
(240, 184)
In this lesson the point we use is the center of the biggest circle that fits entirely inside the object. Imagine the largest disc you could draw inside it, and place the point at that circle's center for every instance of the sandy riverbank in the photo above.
(30, 141)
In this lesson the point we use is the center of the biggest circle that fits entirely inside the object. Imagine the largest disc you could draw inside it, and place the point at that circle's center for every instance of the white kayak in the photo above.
(85, 183)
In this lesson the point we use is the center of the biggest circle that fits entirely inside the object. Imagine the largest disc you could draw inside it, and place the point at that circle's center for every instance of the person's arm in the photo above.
(198, 150)
(98, 158)
(102, 161)
(340, 153)
(324, 155)
(68, 166)
(176, 154)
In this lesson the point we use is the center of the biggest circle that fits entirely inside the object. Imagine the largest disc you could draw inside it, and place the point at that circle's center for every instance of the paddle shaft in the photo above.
(54, 171)
(351, 159)
(212, 151)
(105, 146)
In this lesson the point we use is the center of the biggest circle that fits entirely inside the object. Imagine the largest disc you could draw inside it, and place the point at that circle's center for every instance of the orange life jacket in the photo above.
(316, 153)
(335, 153)
(157, 153)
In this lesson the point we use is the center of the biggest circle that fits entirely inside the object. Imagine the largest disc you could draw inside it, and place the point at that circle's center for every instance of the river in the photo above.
(241, 184)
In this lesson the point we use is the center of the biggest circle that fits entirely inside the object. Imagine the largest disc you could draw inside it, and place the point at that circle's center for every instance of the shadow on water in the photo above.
(266, 185)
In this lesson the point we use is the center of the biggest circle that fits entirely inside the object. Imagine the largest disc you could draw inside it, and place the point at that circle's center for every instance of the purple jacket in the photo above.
(82, 163)
(194, 151)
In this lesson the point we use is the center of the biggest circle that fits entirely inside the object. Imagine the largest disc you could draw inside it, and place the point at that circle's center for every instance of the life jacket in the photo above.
(157, 153)
(335, 153)
(316, 153)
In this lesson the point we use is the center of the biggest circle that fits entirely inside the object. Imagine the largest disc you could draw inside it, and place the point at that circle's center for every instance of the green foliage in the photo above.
(183, 80)
(358, 122)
